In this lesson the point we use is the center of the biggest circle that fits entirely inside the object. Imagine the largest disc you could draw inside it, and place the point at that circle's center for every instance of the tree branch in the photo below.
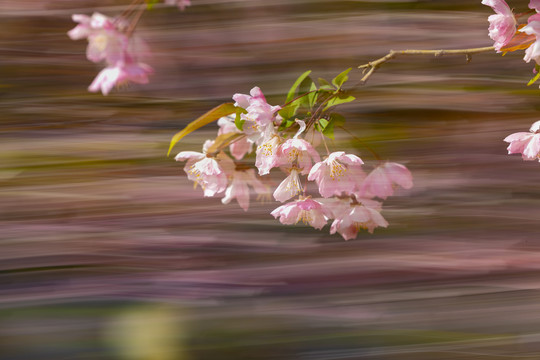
(372, 66)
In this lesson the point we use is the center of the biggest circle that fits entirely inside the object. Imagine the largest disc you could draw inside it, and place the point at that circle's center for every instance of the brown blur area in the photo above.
(107, 252)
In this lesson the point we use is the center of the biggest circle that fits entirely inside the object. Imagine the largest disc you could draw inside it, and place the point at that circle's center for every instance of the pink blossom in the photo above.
(380, 182)
(182, 4)
(298, 151)
(525, 143)
(306, 210)
(105, 41)
(240, 147)
(289, 187)
(119, 74)
(257, 108)
(268, 155)
(502, 25)
(533, 28)
(205, 170)
(338, 173)
(535, 4)
(350, 218)
(239, 188)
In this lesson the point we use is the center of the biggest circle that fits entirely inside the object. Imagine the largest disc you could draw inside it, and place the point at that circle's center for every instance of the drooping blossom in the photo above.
(338, 173)
(268, 155)
(380, 182)
(289, 187)
(298, 152)
(105, 41)
(207, 171)
(307, 210)
(533, 28)
(502, 25)
(240, 147)
(239, 188)
(349, 217)
(119, 74)
(182, 4)
(525, 143)
(257, 107)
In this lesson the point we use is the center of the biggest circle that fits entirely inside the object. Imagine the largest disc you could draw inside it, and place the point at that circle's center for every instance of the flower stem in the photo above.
(372, 66)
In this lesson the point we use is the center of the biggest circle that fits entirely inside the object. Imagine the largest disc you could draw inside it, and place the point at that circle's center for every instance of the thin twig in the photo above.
(372, 66)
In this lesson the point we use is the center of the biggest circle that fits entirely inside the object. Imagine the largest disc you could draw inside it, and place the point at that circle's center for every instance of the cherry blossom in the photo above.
(268, 155)
(525, 143)
(105, 41)
(338, 173)
(533, 28)
(119, 74)
(239, 188)
(307, 210)
(289, 187)
(380, 182)
(502, 25)
(349, 218)
(298, 152)
(257, 108)
(206, 170)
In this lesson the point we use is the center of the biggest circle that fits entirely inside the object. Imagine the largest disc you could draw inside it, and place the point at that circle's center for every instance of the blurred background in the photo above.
(107, 252)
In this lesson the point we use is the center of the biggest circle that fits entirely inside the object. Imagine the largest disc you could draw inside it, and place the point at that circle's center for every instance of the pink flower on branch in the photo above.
(105, 41)
(239, 188)
(289, 187)
(350, 218)
(525, 143)
(533, 28)
(207, 171)
(338, 173)
(307, 210)
(257, 108)
(502, 25)
(119, 74)
(382, 180)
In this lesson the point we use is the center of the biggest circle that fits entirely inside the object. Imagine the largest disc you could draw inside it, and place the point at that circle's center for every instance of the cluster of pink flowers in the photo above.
(341, 190)
(503, 28)
(110, 40)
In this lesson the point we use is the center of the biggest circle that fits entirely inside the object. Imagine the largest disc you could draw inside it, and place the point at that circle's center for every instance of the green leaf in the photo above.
(312, 98)
(285, 124)
(325, 85)
(290, 110)
(332, 122)
(210, 116)
(238, 120)
(303, 89)
(297, 83)
(534, 79)
(341, 78)
(342, 98)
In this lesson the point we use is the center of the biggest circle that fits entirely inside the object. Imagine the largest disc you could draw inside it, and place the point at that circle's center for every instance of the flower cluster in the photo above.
(509, 35)
(111, 40)
(313, 190)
